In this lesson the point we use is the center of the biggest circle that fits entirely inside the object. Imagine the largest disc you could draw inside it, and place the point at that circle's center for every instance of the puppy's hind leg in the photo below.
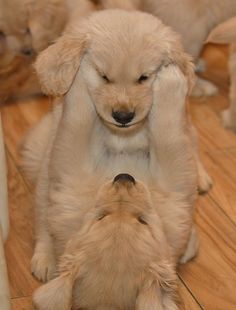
(204, 180)
(43, 263)
(204, 88)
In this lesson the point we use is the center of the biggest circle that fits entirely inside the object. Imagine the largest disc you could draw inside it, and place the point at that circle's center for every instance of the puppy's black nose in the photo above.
(27, 51)
(123, 117)
(124, 177)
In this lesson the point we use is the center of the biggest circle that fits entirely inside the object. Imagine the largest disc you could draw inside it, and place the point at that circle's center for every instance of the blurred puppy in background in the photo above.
(32, 25)
(27, 28)
(225, 33)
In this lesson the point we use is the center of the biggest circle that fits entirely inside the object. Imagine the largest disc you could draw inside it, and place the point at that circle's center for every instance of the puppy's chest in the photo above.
(117, 154)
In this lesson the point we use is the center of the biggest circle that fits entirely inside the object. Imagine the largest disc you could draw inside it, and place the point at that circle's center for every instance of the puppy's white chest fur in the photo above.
(114, 153)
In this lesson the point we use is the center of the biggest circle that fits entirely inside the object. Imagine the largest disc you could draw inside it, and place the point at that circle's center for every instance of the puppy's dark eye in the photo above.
(141, 220)
(105, 78)
(142, 78)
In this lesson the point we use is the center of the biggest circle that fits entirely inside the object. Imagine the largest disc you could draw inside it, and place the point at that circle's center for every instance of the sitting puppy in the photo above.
(124, 109)
(223, 34)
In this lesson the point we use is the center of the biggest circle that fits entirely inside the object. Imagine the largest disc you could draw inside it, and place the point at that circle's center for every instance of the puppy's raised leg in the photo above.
(172, 160)
(172, 157)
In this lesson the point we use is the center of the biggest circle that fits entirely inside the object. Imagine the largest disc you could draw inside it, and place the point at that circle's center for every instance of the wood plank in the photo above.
(17, 118)
(222, 166)
(211, 276)
(24, 303)
(19, 246)
(187, 300)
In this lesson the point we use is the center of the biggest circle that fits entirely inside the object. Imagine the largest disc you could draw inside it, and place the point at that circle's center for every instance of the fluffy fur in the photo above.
(226, 33)
(192, 19)
(128, 262)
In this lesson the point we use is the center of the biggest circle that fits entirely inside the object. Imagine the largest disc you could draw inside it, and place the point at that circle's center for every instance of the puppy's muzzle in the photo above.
(124, 178)
(123, 117)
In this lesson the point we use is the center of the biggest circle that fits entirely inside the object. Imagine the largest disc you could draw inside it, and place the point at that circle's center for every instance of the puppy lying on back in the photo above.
(192, 19)
(223, 34)
(124, 110)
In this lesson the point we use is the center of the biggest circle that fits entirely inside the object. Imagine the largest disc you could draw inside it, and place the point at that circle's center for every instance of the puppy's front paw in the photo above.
(192, 247)
(204, 88)
(43, 265)
(204, 182)
(228, 120)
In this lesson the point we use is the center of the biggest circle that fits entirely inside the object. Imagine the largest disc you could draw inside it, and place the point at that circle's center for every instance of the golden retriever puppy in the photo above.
(117, 255)
(118, 115)
(226, 33)
(32, 24)
(192, 19)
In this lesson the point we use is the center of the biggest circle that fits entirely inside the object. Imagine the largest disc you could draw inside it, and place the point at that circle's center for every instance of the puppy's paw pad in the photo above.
(204, 183)
(228, 122)
(204, 88)
(43, 266)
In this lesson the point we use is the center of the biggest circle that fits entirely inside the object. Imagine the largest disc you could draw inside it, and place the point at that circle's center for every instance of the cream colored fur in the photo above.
(226, 33)
(192, 19)
(109, 258)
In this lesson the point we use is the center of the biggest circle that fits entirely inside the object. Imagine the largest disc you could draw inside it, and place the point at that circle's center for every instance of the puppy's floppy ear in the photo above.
(56, 294)
(57, 65)
(159, 289)
(224, 33)
(184, 62)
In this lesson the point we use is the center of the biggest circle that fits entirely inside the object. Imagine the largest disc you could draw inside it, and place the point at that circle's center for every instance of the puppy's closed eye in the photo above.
(101, 216)
(142, 221)
(143, 78)
(105, 78)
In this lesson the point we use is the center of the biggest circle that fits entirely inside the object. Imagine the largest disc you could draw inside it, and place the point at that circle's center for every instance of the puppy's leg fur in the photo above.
(204, 88)
(192, 247)
(173, 152)
(204, 180)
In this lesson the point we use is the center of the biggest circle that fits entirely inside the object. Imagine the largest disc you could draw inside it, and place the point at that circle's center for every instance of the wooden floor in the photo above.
(208, 282)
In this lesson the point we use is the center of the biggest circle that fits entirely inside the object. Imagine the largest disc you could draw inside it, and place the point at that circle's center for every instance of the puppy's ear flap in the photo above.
(184, 62)
(158, 289)
(56, 294)
(224, 33)
(57, 65)
(46, 22)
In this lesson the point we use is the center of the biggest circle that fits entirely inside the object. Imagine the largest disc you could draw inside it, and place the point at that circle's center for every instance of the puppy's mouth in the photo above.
(123, 125)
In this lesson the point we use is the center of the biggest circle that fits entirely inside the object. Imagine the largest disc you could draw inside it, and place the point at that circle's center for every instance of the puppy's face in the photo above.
(119, 257)
(120, 81)
(119, 54)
